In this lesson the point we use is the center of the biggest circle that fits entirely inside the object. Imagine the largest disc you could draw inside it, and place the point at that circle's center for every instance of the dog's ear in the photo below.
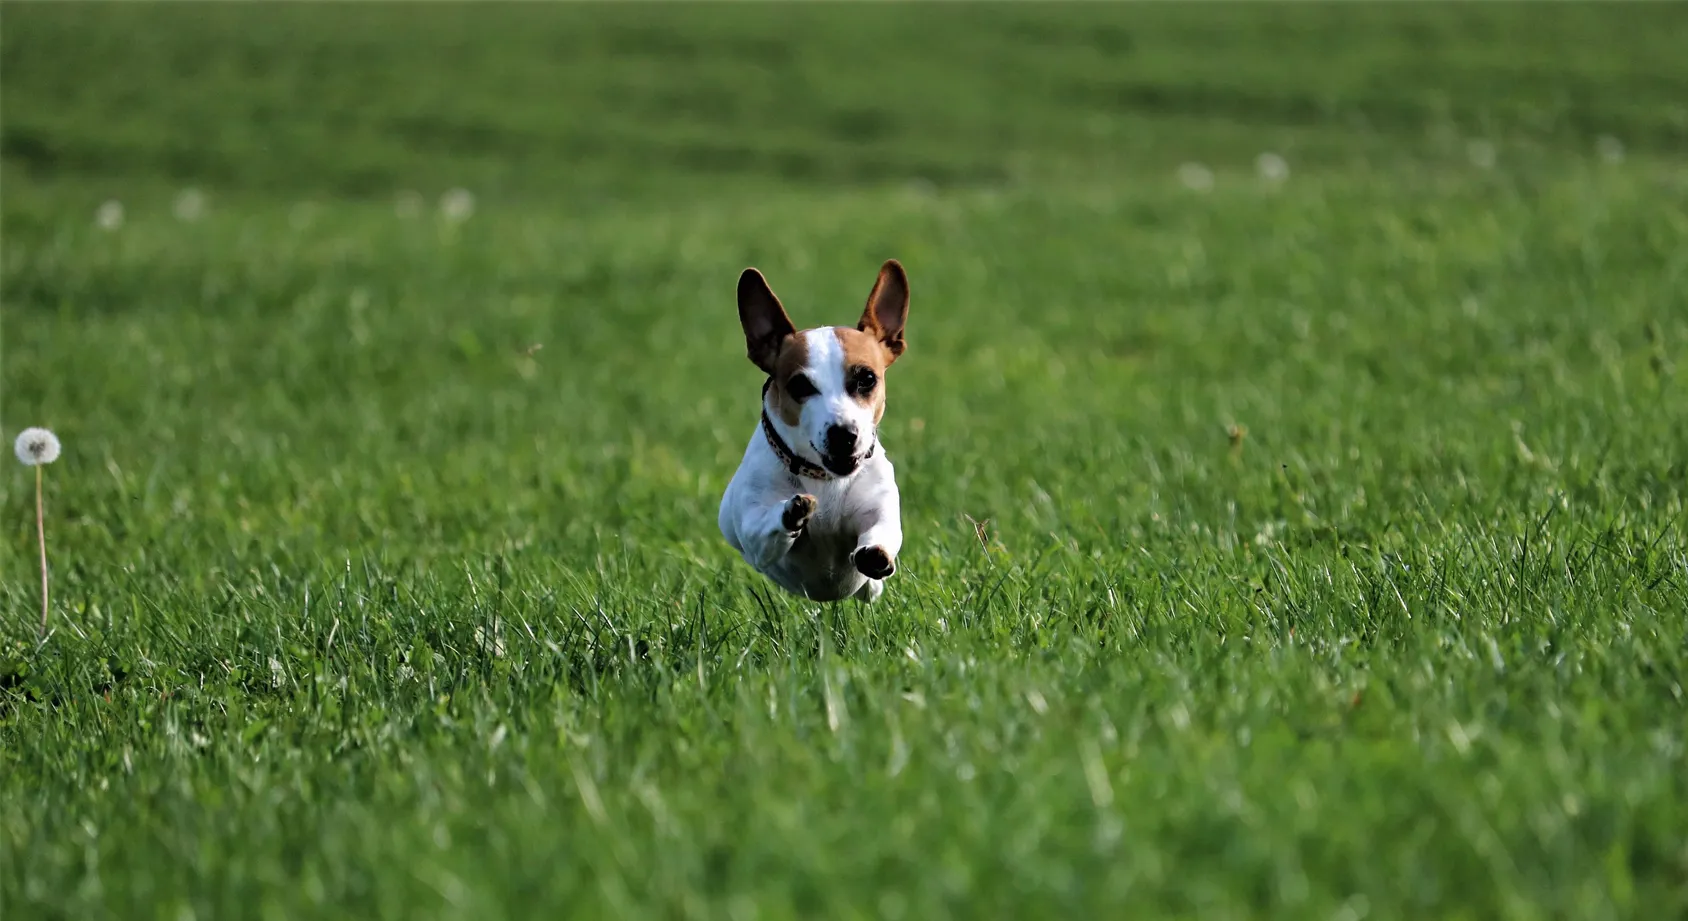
(763, 318)
(887, 309)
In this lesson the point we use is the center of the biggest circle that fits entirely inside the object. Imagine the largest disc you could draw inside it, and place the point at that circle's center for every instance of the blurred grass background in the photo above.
(602, 102)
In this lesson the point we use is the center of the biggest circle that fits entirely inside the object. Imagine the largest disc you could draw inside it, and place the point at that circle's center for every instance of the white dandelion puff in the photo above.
(1610, 148)
(1195, 177)
(36, 446)
(920, 187)
(408, 204)
(1271, 167)
(189, 205)
(302, 215)
(457, 204)
(1481, 154)
(109, 216)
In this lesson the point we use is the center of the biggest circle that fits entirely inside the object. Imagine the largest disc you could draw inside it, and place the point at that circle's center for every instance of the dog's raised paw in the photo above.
(875, 563)
(797, 511)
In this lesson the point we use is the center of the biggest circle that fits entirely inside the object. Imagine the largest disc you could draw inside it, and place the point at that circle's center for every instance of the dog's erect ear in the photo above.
(763, 318)
(887, 309)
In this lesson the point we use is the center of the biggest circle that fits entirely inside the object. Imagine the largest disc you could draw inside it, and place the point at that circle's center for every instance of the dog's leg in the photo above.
(768, 531)
(877, 547)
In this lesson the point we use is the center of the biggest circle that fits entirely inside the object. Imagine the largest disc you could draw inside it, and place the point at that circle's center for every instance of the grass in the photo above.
(1303, 550)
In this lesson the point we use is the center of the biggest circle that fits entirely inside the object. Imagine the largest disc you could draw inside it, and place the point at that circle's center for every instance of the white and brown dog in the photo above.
(814, 503)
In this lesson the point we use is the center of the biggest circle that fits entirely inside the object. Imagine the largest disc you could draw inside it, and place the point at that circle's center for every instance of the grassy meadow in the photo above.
(1295, 536)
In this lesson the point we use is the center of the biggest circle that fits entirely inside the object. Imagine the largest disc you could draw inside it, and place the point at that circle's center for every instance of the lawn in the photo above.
(1301, 536)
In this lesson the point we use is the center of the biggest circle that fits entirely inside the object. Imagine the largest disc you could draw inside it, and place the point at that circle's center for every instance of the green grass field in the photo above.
(1307, 548)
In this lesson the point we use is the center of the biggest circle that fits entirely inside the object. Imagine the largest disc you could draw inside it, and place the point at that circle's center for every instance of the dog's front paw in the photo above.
(875, 563)
(797, 511)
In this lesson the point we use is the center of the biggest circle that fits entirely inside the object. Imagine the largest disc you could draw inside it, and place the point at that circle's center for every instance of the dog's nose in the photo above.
(840, 440)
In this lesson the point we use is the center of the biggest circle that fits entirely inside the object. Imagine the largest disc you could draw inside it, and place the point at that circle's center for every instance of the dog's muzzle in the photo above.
(839, 453)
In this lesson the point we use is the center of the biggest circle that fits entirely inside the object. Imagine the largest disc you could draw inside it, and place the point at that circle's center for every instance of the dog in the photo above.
(813, 505)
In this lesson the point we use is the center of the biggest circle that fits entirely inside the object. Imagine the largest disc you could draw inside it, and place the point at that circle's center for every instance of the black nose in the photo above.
(840, 441)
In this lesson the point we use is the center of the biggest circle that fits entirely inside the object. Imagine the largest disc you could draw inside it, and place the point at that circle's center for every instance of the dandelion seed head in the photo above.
(920, 187)
(1196, 177)
(302, 215)
(1481, 154)
(457, 204)
(1271, 167)
(109, 216)
(190, 205)
(36, 446)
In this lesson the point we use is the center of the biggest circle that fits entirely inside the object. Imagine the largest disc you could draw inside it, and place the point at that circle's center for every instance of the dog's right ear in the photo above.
(763, 318)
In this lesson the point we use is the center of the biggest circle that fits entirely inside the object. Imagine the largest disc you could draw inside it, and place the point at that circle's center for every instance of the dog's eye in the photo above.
(862, 382)
(800, 387)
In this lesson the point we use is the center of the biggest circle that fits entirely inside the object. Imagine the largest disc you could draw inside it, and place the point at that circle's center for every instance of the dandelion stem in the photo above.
(41, 537)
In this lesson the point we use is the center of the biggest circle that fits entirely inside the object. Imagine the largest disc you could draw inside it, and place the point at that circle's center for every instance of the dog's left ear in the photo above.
(765, 322)
(887, 309)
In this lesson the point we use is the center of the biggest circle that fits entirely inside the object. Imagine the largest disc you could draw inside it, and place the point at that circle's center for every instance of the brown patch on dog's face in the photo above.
(865, 361)
(790, 364)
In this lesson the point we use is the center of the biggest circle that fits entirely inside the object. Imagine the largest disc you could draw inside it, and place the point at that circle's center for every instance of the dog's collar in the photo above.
(797, 465)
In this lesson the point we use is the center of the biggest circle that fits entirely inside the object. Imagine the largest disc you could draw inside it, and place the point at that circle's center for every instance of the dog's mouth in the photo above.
(840, 464)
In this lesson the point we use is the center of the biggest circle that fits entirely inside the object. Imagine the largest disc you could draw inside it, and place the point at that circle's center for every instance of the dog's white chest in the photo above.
(819, 562)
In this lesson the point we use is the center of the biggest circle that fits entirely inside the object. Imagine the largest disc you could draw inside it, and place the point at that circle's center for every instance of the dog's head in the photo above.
(827, 385)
